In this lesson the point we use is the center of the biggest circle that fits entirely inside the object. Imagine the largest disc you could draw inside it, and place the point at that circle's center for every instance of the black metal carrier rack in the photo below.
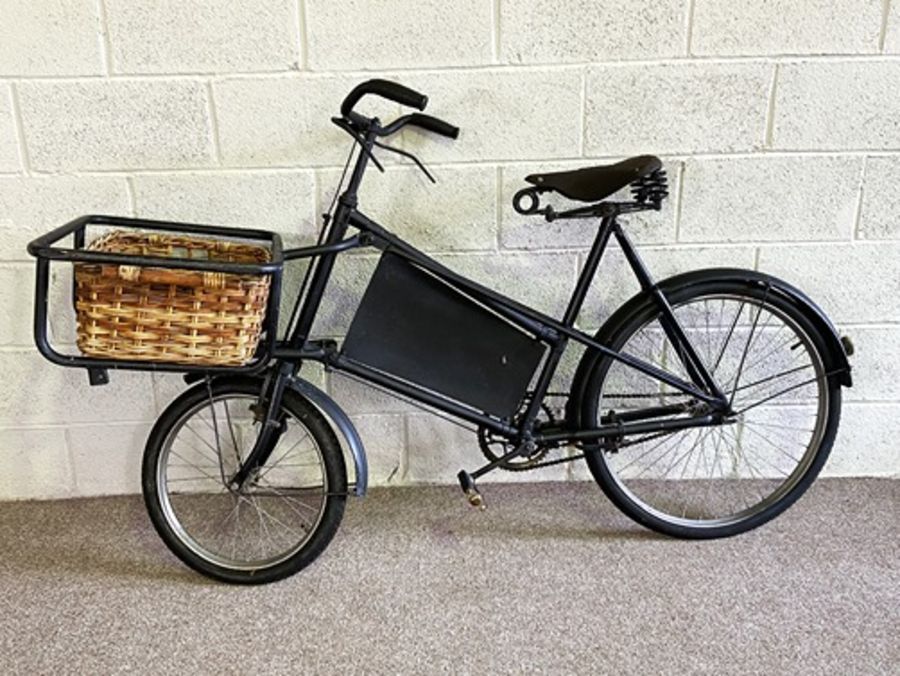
(47, 250)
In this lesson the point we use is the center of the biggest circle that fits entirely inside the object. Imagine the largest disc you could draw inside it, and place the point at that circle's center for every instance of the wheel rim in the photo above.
(271, 518)
(718, 476)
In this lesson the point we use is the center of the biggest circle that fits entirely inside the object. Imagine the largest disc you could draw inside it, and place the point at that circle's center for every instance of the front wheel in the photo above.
(285, 514)
(705, 482)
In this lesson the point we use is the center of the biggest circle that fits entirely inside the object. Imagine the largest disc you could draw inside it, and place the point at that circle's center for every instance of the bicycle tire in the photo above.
(174, 533)
(599, 460)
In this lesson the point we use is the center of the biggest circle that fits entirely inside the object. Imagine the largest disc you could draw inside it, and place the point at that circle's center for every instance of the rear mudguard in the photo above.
(835, 355)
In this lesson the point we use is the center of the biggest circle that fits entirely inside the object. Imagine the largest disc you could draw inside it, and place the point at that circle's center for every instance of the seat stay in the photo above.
(685, 351)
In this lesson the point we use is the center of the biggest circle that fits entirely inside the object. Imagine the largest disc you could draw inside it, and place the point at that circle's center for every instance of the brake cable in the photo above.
(326, 219)
(347, 127)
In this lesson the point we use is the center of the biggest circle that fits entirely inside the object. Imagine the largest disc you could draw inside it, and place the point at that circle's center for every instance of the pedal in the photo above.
(475, 499)
(467, 483)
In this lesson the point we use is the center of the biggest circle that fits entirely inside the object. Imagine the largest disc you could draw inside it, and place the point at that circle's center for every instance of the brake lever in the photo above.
(410, 156)
(347, 127)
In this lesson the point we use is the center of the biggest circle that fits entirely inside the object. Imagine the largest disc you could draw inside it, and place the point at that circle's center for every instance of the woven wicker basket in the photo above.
(171, 315)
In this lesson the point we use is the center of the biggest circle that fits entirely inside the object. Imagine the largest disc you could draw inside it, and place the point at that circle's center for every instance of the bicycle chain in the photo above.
(534, 461)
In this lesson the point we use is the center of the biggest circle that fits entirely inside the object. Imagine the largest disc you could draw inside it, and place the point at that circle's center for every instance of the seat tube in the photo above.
(590, 269)
(574, 307)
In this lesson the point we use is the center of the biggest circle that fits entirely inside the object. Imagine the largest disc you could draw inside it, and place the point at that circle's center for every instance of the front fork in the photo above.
(268, 411)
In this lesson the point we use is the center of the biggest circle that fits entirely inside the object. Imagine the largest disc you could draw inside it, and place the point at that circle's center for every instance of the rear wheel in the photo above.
(707, 482)
(284, 516)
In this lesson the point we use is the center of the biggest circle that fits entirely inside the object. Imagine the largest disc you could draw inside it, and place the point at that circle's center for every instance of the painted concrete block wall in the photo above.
(779, 123)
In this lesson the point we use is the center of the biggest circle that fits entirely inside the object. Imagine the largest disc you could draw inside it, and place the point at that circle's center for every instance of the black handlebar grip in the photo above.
(434, 124)
(389, 90)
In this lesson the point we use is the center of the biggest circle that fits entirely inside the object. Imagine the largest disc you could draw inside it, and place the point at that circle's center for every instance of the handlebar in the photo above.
(434, 124)
(399, 94)
(389, 90)
(426, 122)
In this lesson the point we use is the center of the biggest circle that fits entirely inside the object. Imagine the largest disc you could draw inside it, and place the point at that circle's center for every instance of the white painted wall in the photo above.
(779, 123)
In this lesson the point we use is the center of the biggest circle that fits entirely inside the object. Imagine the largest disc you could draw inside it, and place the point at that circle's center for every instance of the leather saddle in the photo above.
(592, 184)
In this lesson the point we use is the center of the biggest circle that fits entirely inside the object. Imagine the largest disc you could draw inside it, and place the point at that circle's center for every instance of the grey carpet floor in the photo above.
(550, 579)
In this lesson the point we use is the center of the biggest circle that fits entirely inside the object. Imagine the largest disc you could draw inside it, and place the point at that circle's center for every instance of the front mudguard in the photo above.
(835, 354)
(335, 416)
(339, 420)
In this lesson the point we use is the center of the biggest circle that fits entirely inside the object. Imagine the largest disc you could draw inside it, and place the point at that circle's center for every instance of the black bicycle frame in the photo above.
(554, 333)
(281, 359)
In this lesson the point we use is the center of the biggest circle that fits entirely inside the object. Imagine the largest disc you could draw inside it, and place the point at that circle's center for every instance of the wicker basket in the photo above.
(171, 315)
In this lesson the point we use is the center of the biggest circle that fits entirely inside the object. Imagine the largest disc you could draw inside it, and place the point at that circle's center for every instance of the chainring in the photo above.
(494, 447)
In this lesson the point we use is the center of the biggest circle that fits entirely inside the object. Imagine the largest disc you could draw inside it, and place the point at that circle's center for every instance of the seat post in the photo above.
(607, 225)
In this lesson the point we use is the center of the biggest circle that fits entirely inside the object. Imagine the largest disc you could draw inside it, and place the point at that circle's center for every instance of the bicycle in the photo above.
(703, 407)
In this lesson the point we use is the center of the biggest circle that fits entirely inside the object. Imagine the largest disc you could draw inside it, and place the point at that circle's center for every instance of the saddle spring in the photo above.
(653, 188)
(648, 192)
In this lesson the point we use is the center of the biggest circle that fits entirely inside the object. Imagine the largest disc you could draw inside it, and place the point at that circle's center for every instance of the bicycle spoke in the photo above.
(773, 445)
(759, 494)
(274, 518)
(770, 378)
(290, 502)
(643, 455)
(234, 443)
(284, 455)
(701, 440)
(727, 338)
(216, 431)
(211, 476)
(647, 467)
(785, 391)
(260, 545)
(722, 473)
(784, 427)
(746, 460)
(701, 436)
(707, 333)
(762, 360)
(233, 512)
(715, 462)
(737, 378)
(209, 445)
(262, 511)
(182, 479)
(179, 465)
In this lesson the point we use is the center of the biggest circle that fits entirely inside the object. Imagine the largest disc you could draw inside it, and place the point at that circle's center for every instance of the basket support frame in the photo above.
(45, 250)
